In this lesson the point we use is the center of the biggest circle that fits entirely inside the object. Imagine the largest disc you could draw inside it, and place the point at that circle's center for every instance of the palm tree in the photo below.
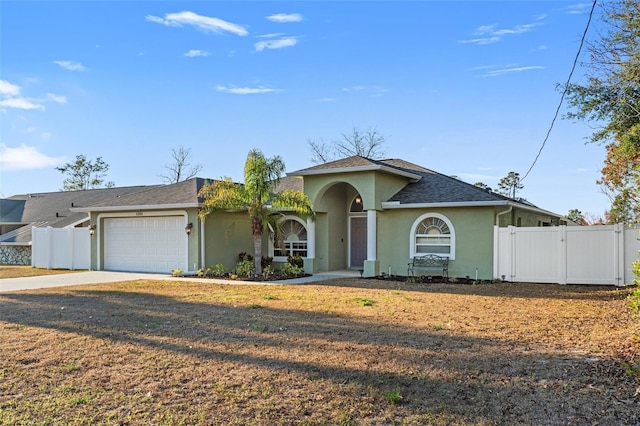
(261, 176)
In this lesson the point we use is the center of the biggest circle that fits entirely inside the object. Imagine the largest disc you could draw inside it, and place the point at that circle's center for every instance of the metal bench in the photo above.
(429, 261)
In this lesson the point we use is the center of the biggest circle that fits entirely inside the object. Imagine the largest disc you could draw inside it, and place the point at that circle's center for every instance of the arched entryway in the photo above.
(344, 219)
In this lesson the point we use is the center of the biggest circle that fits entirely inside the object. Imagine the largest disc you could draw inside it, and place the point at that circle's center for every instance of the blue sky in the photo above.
(466, 88)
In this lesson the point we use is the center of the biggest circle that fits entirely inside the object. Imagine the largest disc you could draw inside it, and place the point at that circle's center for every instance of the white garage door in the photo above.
(145, 244)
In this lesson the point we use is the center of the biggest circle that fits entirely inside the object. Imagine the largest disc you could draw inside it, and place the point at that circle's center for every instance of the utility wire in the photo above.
(564, 92)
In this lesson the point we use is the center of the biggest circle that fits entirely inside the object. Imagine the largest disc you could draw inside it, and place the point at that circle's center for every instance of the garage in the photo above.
(145, 244)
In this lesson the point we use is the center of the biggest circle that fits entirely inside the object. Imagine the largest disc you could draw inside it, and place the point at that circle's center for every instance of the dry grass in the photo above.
(347, 352)
(18, 271)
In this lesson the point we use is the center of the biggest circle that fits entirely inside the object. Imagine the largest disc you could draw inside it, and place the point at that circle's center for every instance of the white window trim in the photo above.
(272, 238)
(412, 238)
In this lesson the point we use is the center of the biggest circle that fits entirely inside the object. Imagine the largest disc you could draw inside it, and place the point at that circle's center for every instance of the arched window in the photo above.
(433, 233)
(293, 239)
(356, 205)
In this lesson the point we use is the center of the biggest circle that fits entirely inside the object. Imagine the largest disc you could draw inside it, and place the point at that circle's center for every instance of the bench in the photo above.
(429, 261)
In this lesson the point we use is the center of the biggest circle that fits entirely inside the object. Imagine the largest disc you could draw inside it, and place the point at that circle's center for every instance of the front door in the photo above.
(358, 242)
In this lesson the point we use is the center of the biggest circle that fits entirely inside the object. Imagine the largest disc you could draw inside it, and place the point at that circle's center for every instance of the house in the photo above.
(371, 215)
(19, 214)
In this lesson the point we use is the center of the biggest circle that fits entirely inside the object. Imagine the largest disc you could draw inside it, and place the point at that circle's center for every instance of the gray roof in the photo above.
(430, 187)
(53, 209)
(293, 183)
(184, 192)
(435, 187)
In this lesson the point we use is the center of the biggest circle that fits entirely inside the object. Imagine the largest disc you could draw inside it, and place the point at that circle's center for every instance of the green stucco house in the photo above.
(371, 215)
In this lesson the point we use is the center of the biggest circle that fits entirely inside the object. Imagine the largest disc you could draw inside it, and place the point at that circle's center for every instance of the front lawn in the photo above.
(344, 352)
(20, 271)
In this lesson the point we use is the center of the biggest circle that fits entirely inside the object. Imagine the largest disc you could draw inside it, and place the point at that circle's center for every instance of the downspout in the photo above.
(504, 212)
(202, 245)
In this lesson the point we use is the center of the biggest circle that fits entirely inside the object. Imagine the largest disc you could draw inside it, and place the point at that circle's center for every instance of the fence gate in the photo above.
(567, 255)
(61, 248)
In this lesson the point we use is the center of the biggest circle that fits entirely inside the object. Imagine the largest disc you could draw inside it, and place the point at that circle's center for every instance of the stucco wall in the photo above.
(474, 240)
(228, 234)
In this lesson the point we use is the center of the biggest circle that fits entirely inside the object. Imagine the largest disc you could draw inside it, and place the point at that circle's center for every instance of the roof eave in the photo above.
(412, 176)
(388, 205)
(136, 207)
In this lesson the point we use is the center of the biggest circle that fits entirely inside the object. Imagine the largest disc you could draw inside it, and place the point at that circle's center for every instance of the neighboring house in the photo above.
(370, 215)
(20, 213)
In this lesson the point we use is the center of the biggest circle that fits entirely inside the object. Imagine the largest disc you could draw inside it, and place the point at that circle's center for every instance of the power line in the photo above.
(564, 92)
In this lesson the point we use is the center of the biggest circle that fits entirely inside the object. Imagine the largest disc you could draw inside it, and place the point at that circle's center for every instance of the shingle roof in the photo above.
(293, 183)
(184, 192)
(54, 207)
(344, 163)
(435, 187)
(431, 187)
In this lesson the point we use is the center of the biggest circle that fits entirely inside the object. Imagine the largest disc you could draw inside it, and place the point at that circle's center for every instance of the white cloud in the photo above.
(272, 35)
(204, 23)
(354, 89)
(579, 8)
(496, 73)
(8, 89)
(19, 103)
(481, 41)
(246, 90)
(276, 44)
(71, 65)
(56, 98)
(325, 100)
(195, 52)
(518, 29)
(283, 18)
(25, 158)
(9, 98)
(494, 34)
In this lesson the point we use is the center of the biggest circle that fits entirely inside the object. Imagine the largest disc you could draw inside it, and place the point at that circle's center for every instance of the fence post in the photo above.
(512, 252)
(72, 237)
(562, 258)
(49, 246)
(496, 252)
(619, 268)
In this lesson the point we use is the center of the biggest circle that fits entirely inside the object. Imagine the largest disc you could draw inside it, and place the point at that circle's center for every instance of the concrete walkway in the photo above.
(97, 277)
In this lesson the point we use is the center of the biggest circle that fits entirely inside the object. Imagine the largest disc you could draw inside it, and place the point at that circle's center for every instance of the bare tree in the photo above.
(366, 143)
(180, 169)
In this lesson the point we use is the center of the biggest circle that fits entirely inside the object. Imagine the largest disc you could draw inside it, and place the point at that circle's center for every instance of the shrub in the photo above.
(266, 261)
(267, 272)
(243, 255)
(289, 269)
(203, 272)
(218, 270)
(245, 268)
(177, 272)
(295, 260)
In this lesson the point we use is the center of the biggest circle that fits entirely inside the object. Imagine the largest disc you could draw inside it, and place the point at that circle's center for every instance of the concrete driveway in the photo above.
(97, 277)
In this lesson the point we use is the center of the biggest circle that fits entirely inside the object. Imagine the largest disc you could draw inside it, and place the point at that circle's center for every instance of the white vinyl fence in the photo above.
(61, 248)
(567, 254)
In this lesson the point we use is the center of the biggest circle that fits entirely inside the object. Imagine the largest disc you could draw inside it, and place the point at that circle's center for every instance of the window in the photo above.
(432, 233)
(293, 241)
